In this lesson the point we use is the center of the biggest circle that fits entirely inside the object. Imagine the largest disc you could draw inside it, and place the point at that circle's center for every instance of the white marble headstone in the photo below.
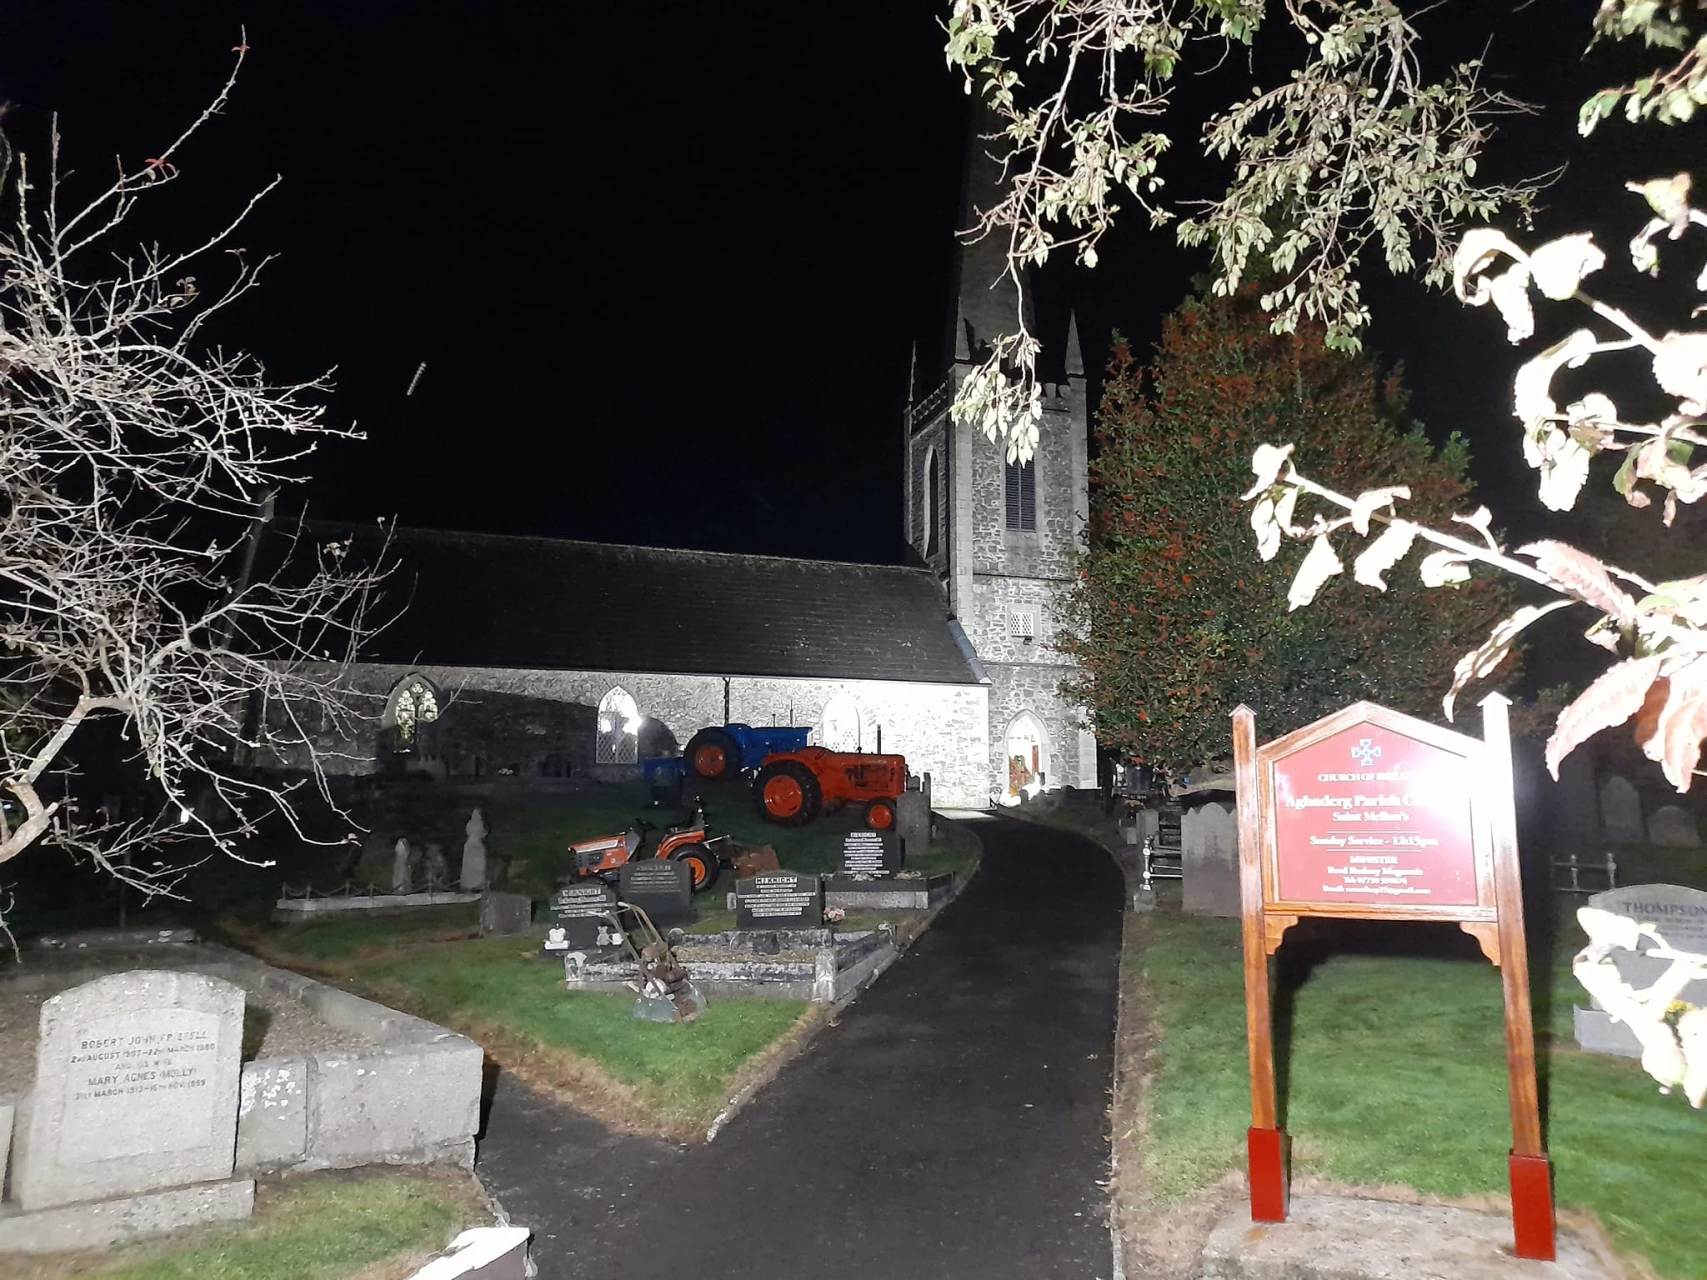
(135, 1090)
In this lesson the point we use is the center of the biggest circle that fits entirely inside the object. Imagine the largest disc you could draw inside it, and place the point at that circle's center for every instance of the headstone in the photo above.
(1209, 860)
(580, 910)
(400, 866)
(136, 1089)
(913, 821)
(872, 853)
(1673, 827)
(1679, 915)
(779, 900)
(474, 853)
(663, 889)
(505, 913)
(1621, 811)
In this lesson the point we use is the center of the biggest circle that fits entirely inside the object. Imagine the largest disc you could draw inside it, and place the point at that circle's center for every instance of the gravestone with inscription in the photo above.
(661, 888)
(779, 900)
(1621, 811)
(1679, 916)
(136, 1091)
(872, 853)
(1209, 860)
(580, 910)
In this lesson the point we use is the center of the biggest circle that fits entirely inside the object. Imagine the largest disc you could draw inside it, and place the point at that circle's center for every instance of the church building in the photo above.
(568, 658)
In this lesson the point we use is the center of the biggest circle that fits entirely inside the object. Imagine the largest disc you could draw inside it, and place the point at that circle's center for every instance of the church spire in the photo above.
(1074, 356)
(986, 307)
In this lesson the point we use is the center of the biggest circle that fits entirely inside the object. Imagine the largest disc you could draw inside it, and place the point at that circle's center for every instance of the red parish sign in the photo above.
(1370, 815)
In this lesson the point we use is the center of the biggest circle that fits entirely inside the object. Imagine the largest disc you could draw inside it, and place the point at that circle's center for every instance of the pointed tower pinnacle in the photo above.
(1075, 357)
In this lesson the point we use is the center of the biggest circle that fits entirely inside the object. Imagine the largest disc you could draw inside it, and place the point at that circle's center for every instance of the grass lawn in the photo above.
(586, 1047)
(327, 1226)
(1393, 1071)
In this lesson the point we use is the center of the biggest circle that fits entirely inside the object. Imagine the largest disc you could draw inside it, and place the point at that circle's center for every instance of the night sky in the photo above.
(665, 262)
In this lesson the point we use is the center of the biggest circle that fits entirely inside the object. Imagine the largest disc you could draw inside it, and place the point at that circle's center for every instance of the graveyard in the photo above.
(1389, 1036)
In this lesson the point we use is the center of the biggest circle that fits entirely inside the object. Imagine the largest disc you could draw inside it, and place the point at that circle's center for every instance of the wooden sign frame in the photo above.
(1494, 919)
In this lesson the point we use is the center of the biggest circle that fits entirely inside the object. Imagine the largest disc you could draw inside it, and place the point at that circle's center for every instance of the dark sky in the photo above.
(664, 261)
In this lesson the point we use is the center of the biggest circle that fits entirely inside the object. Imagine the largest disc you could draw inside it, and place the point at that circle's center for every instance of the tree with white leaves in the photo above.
(1657, 630)
(137, 466)
(1353, 151)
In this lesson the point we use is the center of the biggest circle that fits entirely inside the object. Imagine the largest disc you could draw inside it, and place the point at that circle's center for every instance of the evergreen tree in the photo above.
(1173, 620)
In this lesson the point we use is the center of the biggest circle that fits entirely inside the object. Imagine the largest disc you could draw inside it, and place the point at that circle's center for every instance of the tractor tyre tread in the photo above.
(731, 755)
(812, 794)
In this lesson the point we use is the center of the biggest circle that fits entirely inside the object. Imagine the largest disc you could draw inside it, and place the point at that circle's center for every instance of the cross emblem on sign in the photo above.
(1364, 753)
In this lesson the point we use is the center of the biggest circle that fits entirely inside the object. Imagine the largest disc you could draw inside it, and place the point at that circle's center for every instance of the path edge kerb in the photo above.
(771, 1067)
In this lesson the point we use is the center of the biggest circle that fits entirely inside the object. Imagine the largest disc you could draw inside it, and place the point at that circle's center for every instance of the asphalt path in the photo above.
(953, 1123)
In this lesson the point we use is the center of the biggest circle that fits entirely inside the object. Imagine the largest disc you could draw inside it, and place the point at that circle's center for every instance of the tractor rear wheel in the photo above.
(712, 756)
(880, 815)
(787, 793)
(701, 862)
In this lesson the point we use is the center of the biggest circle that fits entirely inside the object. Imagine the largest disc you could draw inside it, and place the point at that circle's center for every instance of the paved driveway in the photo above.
(953, 1125)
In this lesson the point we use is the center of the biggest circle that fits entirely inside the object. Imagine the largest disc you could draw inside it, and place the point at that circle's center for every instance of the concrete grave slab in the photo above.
(1340, 1238)
(101, 1223)
(135, 1088)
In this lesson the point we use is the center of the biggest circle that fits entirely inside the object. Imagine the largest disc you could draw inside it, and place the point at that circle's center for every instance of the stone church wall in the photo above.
(940, 728)
(1048, 552)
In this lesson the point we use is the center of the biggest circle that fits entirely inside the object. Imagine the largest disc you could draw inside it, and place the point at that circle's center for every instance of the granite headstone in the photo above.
(872, 853)
(1621, 811)
(1679, 915)
(136, 1088)
(779, 900)
(663, 889)
(580, 910)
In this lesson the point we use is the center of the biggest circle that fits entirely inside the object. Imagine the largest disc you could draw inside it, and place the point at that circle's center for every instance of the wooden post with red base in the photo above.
(1531, 1172)
(1265, 1140)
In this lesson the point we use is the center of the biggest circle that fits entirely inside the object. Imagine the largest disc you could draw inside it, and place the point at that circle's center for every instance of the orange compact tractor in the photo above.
(794, 787)
(603, 856)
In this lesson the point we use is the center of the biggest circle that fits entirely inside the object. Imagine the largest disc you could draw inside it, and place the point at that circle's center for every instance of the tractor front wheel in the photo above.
(787, 793)
(712, 756)
(701, 862)
(880, 815)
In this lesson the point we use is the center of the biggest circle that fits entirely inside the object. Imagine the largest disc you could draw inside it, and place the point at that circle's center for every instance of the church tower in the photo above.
(1003, 536)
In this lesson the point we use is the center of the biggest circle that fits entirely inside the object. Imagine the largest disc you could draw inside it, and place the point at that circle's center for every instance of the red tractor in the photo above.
(794, 787)
(604, 856)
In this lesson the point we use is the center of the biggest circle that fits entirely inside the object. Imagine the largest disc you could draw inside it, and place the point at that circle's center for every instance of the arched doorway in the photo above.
(1027, 756)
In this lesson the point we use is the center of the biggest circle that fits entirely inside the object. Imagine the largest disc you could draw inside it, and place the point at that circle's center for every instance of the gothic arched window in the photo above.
(932, 517)
(1020, 490)
(413, 704)
(619, 728)
(842, 726)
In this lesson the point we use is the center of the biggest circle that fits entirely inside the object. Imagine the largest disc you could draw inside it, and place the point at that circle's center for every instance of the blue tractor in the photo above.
(724, 753)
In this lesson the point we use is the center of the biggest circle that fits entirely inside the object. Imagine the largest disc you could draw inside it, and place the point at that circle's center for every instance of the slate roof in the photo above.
(542, 603)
